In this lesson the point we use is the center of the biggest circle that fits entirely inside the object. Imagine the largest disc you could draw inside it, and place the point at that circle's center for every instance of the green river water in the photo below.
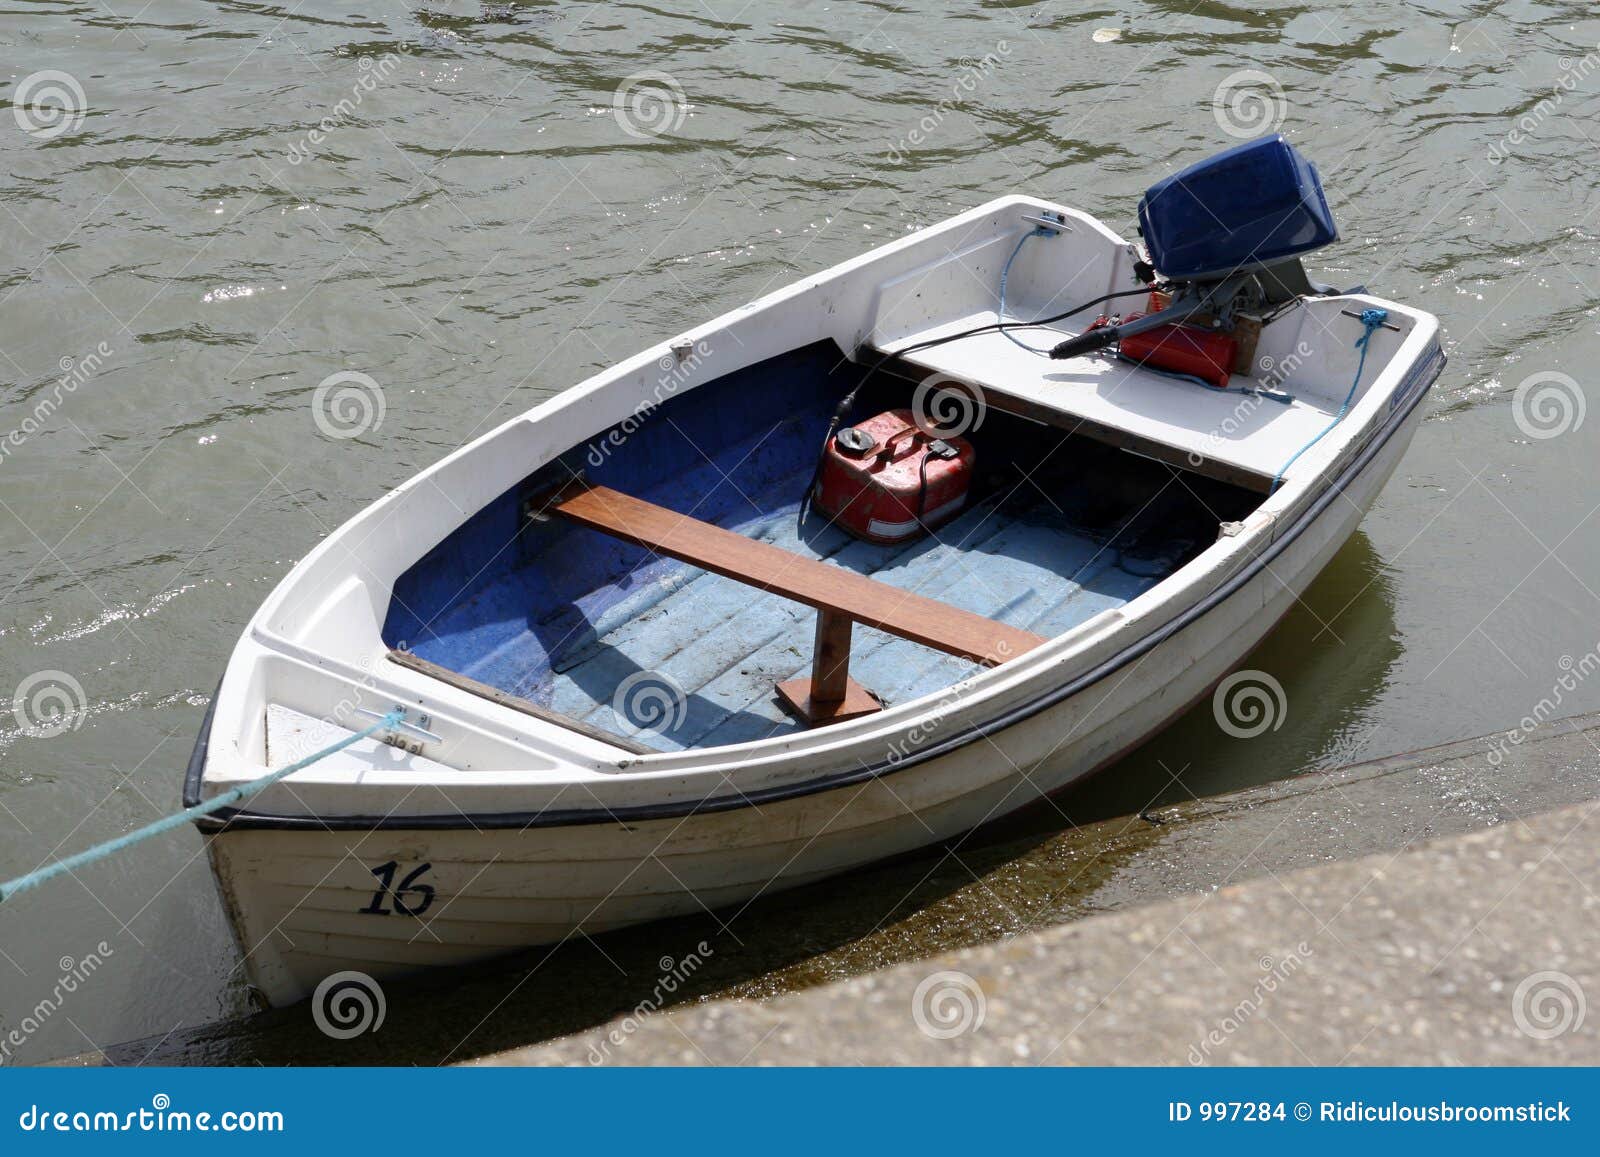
(208, 208)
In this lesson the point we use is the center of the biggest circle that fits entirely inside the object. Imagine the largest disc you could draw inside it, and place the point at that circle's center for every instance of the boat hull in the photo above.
(308, 903)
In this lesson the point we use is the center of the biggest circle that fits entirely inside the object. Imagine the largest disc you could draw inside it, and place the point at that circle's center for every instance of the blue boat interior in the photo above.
(1057, 529)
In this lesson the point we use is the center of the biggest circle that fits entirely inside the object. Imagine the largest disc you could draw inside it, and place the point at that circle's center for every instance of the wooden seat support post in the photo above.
(829, 695)
(841, 597)
(830, 661)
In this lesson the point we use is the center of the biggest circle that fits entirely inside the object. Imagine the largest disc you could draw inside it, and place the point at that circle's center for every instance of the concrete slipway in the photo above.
(1465, 949)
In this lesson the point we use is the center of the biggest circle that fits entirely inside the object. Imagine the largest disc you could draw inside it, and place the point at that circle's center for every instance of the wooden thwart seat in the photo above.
(841, 597)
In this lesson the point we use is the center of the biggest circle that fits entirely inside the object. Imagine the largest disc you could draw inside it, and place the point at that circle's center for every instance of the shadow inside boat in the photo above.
(1065, 857)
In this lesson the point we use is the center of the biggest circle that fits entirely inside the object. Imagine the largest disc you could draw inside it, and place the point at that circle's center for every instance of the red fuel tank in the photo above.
(1185, 349)
(885, 480)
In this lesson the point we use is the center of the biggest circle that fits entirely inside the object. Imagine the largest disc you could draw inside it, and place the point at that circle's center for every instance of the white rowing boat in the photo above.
(587, 613)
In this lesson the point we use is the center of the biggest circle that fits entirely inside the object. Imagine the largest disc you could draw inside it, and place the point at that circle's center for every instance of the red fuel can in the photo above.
(1185, 349)
(886, 480)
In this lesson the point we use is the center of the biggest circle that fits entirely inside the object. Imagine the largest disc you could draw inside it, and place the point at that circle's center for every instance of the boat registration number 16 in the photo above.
(408, 898)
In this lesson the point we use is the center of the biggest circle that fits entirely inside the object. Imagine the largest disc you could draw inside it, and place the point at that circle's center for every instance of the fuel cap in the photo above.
(854, 442)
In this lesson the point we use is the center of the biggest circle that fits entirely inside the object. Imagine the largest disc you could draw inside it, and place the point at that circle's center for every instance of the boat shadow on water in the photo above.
(1082, 851)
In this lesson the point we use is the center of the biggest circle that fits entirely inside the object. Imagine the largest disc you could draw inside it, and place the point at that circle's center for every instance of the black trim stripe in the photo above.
(197, 758)
(572, 817)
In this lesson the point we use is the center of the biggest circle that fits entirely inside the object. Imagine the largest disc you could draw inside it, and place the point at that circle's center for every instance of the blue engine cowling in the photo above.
(1252, 205)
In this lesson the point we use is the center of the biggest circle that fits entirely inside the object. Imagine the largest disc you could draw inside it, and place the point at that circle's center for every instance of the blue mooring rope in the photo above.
(1005, 272)
(232, 796)
(1372, 320)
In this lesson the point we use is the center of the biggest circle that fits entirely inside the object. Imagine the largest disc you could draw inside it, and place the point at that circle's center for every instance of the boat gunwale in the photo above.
(1403, 401)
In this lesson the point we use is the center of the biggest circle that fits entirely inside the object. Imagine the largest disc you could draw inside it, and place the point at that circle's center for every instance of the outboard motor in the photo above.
(1224, 238)
(1226, 234)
